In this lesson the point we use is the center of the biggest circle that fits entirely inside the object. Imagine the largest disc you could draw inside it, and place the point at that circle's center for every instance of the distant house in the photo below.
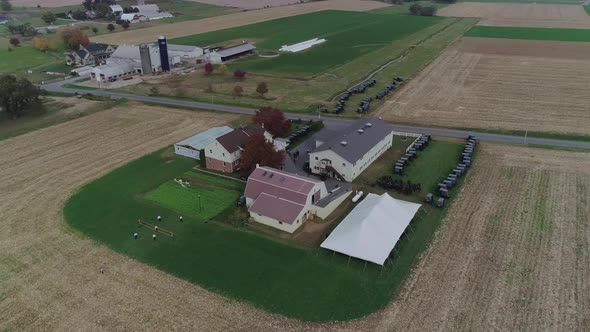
(116, 10)
(346, 154)
(191, 147)
(145, 13)
(4, 20)
(286, 201)
(224, 153)
(226, 54)
(91, 54)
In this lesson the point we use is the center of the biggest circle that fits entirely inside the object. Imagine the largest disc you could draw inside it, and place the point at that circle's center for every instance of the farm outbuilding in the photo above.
(191, 147)
(371, 230)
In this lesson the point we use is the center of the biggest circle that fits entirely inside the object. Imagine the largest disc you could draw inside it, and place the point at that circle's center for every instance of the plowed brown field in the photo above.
(187, 28)
(249, 4)
(521, 15)
(504, 84)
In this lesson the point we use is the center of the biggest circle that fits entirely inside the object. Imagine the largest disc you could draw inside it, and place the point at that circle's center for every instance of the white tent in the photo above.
(371, 230)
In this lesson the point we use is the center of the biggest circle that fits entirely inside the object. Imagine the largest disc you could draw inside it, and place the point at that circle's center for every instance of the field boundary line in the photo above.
(199, 169)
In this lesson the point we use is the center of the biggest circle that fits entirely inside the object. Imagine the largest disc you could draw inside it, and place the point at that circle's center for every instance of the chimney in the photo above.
(263, 125)
(257, 165)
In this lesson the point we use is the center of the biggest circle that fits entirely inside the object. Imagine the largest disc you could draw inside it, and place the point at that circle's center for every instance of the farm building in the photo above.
(285, 201)
(346, 154)
(191, 147)
(92, 54)
(371, 230)
(4, 20)
(145, 59)
(116, 10)
(224, 152)
(226, 54)
(115, 71)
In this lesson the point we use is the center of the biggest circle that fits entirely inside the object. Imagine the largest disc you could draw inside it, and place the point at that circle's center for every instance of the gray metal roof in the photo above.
(357, 143)
(236, 50)
(201, 140)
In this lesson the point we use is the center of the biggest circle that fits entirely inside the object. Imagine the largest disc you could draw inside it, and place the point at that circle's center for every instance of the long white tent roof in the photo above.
(371, 230)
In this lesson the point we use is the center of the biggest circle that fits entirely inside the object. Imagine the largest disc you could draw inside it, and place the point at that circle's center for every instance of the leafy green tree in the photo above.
(102, 10)
(262, 89)
(415, 9)
(428, 11)
(18, 96)
(48, 17)
(5, 5)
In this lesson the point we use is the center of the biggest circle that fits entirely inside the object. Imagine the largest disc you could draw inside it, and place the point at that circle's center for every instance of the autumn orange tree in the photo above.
(260, 151)
(72, 37)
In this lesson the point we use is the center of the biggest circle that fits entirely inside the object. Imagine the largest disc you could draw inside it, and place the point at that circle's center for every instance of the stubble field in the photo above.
(521, 15)
(188, 28)
(501, 84)
(513, 253)
(250, 4)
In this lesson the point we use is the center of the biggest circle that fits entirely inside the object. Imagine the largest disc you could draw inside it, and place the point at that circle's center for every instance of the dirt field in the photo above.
(521, 15)
(249, 4)
(513, 253)
(232, 20)
(500, 84)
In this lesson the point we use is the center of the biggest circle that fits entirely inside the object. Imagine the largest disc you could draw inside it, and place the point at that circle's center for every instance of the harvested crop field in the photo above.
(513, 252)
(187, 28)
(500, 84)
(521, 15)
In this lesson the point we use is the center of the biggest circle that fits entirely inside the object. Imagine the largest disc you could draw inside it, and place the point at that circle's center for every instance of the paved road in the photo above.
(330, 122)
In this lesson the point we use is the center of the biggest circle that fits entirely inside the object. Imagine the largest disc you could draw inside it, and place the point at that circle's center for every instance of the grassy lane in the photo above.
(573, 35)
(308, 284)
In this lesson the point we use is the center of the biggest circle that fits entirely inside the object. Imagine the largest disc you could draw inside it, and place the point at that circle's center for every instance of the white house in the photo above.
(348, 153)
(191, 147)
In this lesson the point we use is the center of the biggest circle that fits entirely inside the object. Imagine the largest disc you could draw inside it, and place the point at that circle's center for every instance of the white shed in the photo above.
(191, 147)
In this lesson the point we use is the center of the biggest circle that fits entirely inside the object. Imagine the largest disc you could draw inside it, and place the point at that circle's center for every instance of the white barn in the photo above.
(191, 147)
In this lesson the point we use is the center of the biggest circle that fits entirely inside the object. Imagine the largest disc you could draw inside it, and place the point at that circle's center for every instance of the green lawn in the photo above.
(204, 198)
(587, 9)
(307, 284)
(574, 35)
(349, 35)
(23, 57)
(433, 165)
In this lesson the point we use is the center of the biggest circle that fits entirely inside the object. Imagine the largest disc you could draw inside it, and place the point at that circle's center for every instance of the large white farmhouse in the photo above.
(346, 154)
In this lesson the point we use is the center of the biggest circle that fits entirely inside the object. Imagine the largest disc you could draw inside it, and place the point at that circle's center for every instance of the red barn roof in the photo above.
(291, 187)
(276, 208)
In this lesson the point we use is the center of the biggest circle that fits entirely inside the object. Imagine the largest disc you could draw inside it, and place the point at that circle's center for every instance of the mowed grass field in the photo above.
(205, 197)
(22, 57)
(307, 284)
(574, 35)
(349, 35)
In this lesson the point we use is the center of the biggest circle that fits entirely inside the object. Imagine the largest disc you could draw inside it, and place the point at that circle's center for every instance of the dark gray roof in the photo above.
(230, 51)
(81, 53)
(374, 130)
(97, 48)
